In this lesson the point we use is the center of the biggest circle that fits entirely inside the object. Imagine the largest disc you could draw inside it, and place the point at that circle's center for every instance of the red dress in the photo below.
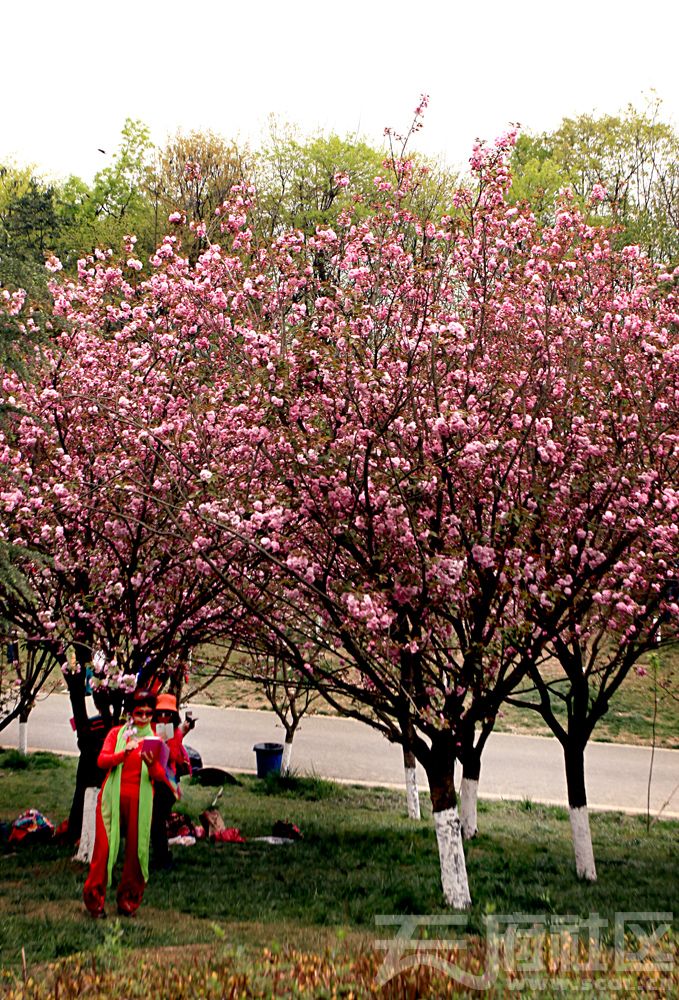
(132, 884)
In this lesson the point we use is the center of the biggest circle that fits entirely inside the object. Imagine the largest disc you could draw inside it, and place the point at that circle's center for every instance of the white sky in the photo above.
(72, 71)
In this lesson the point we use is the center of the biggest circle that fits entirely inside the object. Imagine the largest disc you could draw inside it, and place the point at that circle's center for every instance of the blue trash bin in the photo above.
(269, 757)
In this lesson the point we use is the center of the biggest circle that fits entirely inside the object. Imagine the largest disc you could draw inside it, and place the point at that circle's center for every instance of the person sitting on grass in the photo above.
(124, 809)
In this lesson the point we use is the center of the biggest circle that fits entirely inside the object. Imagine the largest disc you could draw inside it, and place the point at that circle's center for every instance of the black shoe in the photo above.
(98, 914)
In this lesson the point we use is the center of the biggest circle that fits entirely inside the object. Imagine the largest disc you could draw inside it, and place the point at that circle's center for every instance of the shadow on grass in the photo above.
(309, 788)
(41, 760)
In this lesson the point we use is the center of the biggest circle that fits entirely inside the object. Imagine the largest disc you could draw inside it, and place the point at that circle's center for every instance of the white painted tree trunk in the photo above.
(469, 795)
(412, 794)
(23, 738)
(287, 755)
(582, 843)
(451, 857)
(87, 833)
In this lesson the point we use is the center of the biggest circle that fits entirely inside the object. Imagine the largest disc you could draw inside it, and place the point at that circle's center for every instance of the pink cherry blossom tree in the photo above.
(396, 426)
(340, 422)
(600, 569)
(375, 464)
(86, 487)
(600, 413)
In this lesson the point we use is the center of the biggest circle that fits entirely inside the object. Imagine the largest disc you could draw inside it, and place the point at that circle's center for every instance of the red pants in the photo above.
(132, 885)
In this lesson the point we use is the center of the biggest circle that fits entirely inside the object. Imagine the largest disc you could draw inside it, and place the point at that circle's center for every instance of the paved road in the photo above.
(514, 767)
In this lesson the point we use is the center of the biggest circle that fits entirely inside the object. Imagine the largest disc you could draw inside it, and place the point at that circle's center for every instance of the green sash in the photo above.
(110, 807)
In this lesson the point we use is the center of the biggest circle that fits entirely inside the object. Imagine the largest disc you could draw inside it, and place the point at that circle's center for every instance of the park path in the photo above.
(514, 767)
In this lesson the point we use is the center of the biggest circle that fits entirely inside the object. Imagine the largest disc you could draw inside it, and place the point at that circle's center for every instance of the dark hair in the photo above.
(142, 698)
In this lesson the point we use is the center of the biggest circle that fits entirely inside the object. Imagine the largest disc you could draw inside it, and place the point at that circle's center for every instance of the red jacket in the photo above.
(131, 761)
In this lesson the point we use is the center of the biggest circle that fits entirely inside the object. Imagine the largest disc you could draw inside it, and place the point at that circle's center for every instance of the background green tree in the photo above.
(299, 178)
(634, 156)
(115, 204)
(28, 223)
(193, 174)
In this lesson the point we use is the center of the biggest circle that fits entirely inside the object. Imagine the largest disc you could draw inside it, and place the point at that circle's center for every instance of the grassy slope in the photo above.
(630, 718)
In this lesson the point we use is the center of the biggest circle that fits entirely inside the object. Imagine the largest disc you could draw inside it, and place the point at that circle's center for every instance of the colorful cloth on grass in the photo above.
(32, 825)
(230, 835)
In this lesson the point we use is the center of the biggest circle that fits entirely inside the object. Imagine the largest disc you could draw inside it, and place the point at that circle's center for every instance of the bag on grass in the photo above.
(284, 828)
(213, 822)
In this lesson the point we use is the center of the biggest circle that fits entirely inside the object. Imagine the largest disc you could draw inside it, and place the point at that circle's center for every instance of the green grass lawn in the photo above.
(360, 857)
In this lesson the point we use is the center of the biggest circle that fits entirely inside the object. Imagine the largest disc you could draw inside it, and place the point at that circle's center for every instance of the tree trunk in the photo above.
(441, 774)
(75, 682)
(23, 732)
(451, 857)
(579, 816)
(412, 794)
(469, 793)
(86, 845)
(287, 754)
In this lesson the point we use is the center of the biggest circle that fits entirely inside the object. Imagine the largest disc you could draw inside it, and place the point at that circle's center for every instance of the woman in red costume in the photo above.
(124, 810)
